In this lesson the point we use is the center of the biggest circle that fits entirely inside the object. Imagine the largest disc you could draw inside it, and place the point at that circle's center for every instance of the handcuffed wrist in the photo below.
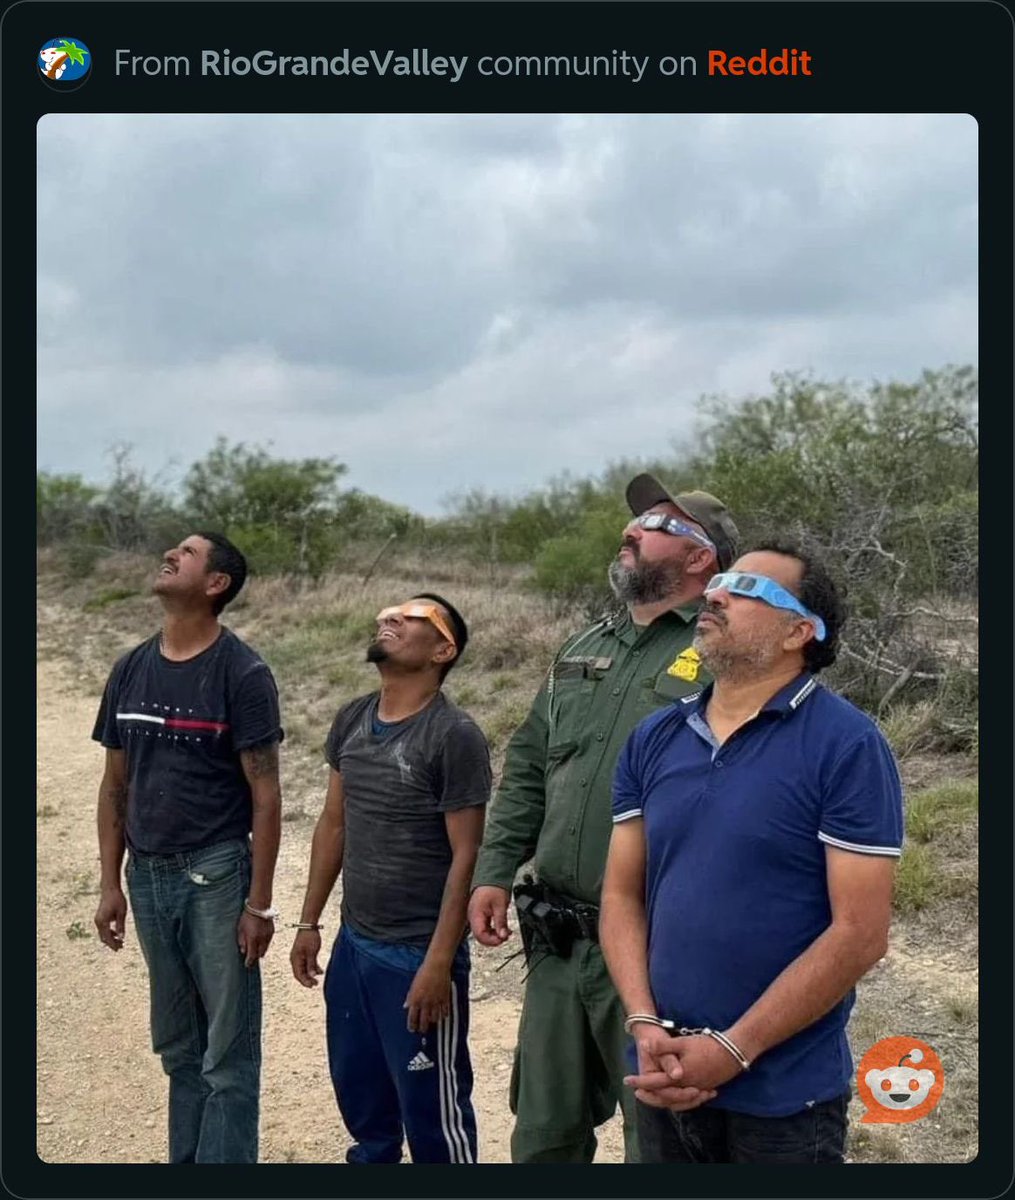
(266, 914)
(730, 1047)
(647, 1019)
(716, 1035)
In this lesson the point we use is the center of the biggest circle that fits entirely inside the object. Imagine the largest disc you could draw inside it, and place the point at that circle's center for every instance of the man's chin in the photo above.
(376, 652)
(620, 577)
(700, 644)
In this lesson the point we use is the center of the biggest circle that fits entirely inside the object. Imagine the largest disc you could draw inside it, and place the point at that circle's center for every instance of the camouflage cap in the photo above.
(706, 510)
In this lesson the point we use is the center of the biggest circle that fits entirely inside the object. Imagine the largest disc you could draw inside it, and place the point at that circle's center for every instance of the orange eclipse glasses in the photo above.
(425, 612)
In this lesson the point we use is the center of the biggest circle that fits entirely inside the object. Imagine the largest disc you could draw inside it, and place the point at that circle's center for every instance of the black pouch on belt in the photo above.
(545, 926)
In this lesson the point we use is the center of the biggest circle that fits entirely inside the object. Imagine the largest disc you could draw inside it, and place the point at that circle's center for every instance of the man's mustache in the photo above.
(713, 610)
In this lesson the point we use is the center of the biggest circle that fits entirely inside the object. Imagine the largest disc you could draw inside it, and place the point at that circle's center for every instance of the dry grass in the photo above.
(912, 728)
(314, 635)
(939, 860)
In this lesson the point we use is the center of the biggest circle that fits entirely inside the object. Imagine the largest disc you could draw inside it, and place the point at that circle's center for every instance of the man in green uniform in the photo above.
(554, 803)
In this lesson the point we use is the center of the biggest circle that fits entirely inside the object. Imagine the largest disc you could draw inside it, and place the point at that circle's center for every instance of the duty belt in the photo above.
(552, 922)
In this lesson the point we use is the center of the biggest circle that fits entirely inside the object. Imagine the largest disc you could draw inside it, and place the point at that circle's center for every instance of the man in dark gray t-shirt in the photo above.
(402, 821)
(398, 783)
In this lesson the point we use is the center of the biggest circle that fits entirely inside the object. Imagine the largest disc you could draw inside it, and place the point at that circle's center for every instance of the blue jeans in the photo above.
(205, 1004)
(717, 1135)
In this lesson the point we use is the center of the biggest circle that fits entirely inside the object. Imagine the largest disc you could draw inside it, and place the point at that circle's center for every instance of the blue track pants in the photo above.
(389, 1082)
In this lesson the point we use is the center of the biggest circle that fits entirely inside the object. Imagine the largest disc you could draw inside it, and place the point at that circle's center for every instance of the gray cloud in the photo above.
(446, 302)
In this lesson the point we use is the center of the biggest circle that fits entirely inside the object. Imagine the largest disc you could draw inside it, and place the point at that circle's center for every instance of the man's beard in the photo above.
(740, 663)
(377, 652)
(645, 583)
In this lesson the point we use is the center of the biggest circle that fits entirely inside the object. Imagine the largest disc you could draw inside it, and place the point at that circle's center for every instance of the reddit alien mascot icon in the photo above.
(899, 1079)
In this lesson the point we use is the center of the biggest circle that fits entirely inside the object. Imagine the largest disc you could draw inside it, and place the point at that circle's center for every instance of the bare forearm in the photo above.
(110, 817)
(326, 852)
(452, 918)
(260, 766)
(807, 989)
(264, 843)
(623, 935)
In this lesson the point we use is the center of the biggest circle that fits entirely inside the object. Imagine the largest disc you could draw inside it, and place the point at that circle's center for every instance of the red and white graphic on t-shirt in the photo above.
(175, 722)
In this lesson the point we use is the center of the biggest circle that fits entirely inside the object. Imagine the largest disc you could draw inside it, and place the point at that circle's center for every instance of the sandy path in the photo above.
(95, 1063)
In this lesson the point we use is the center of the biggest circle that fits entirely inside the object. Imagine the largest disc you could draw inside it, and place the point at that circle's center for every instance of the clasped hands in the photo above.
(678, 1073)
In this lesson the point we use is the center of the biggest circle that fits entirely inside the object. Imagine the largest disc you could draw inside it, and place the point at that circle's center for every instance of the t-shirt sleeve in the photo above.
(627, 780)
(862, 803)
(254, 713)
(464, 777)
(106, 730)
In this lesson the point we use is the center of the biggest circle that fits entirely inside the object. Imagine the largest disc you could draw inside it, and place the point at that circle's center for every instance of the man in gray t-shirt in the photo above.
(402, 821)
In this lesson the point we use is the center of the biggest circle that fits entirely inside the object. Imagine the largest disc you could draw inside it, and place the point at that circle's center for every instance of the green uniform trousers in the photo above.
(569, 1064)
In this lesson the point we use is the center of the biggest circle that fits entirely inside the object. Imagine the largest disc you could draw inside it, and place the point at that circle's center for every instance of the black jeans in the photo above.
(716, 1135)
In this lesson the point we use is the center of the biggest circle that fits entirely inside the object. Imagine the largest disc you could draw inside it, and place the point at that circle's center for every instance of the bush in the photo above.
(63, 511)
(574, 565)
(133, 512)
(281, 512)
(272, 549)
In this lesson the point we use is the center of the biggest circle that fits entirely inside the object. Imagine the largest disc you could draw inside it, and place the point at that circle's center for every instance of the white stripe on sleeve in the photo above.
(885, 851)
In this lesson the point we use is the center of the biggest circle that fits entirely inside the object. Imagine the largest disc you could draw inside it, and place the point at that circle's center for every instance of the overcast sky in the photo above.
(450, 302)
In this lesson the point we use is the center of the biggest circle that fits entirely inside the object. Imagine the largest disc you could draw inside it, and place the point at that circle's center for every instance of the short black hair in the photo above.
(225, 557)
(819, 593)
(458, 627)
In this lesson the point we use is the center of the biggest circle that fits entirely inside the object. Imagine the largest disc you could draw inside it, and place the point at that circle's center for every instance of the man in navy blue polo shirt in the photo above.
(749, 880)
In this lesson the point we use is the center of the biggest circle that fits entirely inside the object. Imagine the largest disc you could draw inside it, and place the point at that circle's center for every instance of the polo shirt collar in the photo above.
(785, 701)
(789, 698)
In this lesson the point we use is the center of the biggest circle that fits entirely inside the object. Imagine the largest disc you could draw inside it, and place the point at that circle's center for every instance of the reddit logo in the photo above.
(900, 1079)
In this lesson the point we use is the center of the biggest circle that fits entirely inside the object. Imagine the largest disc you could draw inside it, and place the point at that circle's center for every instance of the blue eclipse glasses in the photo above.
(760, 587)
(672, 525)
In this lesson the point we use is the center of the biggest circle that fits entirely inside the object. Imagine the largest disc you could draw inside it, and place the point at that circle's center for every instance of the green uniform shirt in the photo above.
(554, 797)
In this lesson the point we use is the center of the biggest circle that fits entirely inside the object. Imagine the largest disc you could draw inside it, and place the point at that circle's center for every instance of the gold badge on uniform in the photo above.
(686, 665)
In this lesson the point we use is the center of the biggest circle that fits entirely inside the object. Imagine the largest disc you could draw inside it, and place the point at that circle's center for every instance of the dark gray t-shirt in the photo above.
(397, 785)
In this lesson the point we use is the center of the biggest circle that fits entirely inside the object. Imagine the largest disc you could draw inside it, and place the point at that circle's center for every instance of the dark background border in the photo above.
(898, 56)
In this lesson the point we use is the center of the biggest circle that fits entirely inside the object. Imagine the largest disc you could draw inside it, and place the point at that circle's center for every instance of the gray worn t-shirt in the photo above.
(397, 785)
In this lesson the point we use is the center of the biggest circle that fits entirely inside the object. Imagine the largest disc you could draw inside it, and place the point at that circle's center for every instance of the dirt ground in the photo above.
(95, 1063)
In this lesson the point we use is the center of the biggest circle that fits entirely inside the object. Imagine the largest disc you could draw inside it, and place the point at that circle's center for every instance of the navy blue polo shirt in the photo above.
(736, 885)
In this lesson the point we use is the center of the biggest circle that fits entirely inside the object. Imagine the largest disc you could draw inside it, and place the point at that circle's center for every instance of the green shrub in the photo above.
(62, 507)
(272, 549)
(281, 512)
(575, 564)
